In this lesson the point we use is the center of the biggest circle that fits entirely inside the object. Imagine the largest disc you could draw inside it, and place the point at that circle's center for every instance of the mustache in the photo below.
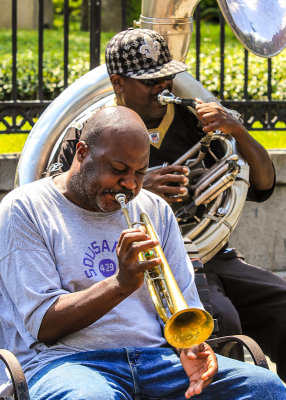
(128, 193)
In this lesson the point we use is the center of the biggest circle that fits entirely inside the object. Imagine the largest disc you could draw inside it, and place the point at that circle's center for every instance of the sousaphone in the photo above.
(259, 25)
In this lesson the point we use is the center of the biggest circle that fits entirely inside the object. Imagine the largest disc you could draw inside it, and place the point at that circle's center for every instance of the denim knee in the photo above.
(248, 380)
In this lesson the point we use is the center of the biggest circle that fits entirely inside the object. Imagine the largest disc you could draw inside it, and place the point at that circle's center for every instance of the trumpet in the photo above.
(186, 327)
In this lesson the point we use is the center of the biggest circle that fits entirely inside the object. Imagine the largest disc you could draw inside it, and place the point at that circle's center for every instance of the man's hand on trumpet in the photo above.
(168, 182)
(131, 243)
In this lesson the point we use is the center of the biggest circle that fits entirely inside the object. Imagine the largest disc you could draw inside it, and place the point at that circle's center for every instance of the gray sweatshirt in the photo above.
(50, 247)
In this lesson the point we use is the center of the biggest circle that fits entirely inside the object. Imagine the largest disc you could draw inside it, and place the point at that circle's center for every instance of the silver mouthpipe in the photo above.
(167, 97)
(120, 197)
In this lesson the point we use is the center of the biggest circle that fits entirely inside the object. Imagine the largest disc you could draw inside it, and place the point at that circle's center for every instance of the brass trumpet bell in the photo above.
(189, 327)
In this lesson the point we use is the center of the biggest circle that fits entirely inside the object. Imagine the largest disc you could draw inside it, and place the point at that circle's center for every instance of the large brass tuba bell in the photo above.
(186, 327)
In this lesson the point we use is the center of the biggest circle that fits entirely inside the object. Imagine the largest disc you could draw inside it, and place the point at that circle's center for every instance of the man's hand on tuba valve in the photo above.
(214, 117)
(168, 182)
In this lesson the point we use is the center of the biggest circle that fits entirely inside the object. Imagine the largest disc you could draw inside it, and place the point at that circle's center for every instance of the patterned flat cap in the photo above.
(140, 54)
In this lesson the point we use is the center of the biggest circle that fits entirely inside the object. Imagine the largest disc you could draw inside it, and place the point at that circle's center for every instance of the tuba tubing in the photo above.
(212, 189)
(186, 327)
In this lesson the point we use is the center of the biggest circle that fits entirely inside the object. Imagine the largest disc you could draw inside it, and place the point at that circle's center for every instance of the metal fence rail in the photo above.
(270, 113)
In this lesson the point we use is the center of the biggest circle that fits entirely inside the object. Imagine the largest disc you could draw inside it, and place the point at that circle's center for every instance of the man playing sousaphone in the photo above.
(140, 68)
(78, 313)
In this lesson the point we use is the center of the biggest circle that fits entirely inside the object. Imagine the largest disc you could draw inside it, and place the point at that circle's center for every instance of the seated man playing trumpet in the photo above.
(75, 307)
(243, 296)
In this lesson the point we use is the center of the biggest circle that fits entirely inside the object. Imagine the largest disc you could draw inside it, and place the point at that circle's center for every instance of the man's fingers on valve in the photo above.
(129, 233)
(174, 190)
(209, 112)
(211, 105)
(174, 183)
(180, 179)
(174, 175)
(199, 101)
(207, 116)
(175, 169)
(130, 236)
(148, 264)
(172, 199)
(132, 242)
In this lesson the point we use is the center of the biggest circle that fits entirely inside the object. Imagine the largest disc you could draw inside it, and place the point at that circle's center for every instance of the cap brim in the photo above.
(170, 68)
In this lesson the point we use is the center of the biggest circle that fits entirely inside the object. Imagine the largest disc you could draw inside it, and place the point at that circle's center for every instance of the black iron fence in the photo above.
(17, 116)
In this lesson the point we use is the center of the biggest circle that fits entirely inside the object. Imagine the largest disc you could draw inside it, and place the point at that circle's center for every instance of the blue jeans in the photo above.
(147, 374)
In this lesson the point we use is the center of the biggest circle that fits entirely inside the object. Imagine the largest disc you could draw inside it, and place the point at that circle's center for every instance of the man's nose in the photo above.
(128, 181)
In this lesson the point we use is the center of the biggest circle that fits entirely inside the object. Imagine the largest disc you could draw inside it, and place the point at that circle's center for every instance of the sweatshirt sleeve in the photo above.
(29, 277)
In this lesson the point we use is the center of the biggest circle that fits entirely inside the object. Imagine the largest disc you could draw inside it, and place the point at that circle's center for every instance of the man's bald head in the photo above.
(111, 157)
(115, 122)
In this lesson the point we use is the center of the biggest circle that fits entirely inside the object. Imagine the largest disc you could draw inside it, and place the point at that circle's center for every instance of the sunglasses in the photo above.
(156, 81)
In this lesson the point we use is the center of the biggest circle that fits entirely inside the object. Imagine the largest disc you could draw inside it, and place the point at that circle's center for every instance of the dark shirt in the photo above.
(183, 132)
(64, 155)
(180, 135)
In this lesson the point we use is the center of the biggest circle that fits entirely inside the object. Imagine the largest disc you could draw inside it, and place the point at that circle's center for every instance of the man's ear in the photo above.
(81, 150)
(118, 83)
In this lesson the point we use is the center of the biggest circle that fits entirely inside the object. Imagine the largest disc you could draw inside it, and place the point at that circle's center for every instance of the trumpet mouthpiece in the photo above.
(120, 197)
